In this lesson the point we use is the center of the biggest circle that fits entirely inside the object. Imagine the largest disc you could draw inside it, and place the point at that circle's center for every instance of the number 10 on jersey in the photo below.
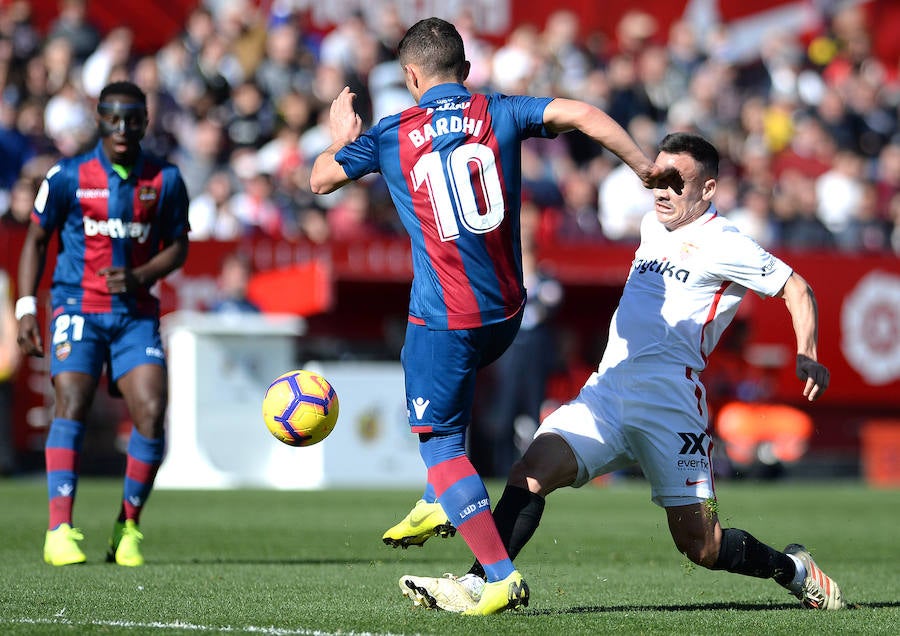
(470, 167)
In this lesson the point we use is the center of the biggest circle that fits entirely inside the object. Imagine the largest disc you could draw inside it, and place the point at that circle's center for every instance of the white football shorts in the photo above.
(646, 414)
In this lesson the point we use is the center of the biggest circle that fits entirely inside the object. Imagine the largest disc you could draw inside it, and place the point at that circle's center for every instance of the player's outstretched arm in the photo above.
(562, 115)
(801, 304)
(346, 125)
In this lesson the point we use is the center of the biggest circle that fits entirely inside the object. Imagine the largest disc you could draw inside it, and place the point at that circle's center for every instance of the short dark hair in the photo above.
(123, 88)
(436, 46)
(697, 147)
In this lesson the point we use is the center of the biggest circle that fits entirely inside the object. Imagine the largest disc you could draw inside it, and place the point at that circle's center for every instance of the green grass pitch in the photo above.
(289, 562)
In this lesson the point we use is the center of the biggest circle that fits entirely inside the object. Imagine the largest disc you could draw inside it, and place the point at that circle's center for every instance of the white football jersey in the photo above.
(684, 289)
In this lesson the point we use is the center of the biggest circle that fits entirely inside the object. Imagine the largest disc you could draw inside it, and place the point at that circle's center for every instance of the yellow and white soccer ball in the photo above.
(300, 408)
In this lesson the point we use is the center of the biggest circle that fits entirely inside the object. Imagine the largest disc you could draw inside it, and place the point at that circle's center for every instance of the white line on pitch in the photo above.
(228, 629)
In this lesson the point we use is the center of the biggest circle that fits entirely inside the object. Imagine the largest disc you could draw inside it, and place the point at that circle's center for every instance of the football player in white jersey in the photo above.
(645, 404)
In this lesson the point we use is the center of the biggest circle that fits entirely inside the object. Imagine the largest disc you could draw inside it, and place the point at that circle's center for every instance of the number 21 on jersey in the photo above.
(62, 325)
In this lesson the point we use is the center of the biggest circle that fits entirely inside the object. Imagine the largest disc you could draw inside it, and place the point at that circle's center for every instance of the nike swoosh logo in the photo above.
(417, 521)
(688, 482)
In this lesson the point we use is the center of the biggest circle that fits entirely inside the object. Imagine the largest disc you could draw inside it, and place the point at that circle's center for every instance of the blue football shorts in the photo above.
(440, 369)
(84, 343)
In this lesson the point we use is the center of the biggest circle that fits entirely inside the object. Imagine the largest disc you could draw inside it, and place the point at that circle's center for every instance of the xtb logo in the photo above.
(692, 443)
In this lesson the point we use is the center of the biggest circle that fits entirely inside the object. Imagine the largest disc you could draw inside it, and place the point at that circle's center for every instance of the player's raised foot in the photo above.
(424, 521)
(510, 593)
(818, 590)
(125, 544)
(61, 546)
(448, 593)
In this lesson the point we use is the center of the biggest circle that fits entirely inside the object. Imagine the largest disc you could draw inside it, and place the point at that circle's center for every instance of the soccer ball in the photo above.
(300, 408)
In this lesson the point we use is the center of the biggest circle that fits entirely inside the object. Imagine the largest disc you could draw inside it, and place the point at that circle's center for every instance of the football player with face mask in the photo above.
(122, 220)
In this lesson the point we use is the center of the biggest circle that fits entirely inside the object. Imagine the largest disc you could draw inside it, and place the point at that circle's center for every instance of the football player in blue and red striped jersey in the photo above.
(122, 220)
(452, 165)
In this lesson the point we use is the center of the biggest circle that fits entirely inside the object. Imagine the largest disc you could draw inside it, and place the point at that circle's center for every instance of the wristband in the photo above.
(26, 305)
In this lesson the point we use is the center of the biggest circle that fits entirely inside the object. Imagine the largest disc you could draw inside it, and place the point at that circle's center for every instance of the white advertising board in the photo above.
(219, 368)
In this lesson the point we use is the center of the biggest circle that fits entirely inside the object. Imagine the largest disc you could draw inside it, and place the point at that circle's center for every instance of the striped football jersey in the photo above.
(106, 221)
(453, 167)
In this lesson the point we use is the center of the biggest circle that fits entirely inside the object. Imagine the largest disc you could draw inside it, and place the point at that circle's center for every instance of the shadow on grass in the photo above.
(263, 561)
(698, 607)
(387, 558)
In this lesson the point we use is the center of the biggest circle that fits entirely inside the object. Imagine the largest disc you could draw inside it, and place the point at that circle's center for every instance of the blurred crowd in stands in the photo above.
(808, 127)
